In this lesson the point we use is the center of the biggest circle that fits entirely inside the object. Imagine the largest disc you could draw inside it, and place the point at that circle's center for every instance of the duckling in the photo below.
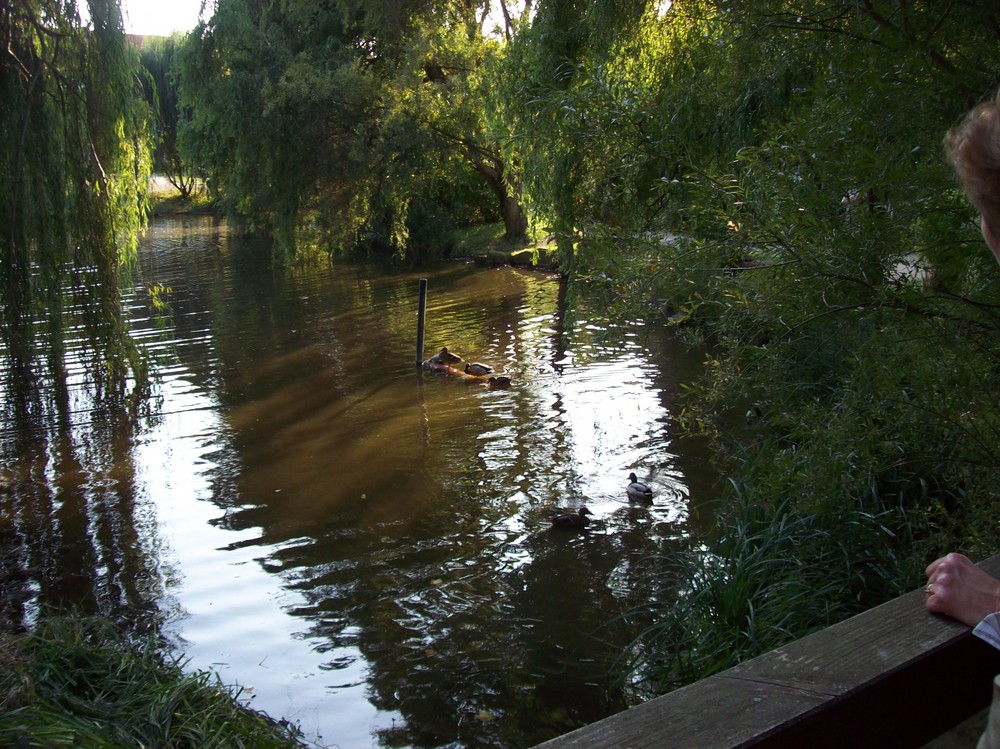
(477, 369)
(500, 381)
(571, 521)
(637, 490)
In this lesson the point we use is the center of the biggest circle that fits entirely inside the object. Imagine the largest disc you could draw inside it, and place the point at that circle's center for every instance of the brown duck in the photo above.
(444, 356)
(572, 521)
(477, 369)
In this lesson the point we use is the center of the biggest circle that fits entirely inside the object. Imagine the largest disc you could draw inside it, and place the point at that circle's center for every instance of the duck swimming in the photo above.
(501, 381)
(477, 369)
(637, 490)
(572, 521)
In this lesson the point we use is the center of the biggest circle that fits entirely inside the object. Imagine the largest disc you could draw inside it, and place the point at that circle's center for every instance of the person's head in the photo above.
(973, 148)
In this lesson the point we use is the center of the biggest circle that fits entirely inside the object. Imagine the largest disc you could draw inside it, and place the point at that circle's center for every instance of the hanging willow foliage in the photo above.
(75, 150)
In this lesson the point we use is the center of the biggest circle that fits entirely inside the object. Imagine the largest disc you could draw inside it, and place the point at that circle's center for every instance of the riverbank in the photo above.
(81, 681)
(166, 200)
(483, 245)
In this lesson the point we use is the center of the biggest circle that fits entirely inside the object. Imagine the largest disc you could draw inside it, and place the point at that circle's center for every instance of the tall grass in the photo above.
(79, 682)
(774, 574)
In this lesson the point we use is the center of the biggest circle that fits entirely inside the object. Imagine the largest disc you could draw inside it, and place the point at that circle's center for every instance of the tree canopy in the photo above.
(350, 117)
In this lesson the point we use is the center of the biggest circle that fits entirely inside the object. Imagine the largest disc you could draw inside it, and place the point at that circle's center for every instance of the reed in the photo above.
(773, 574)
(80, 682)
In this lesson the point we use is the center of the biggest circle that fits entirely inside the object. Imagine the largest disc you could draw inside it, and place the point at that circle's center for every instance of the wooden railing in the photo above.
(894, 676)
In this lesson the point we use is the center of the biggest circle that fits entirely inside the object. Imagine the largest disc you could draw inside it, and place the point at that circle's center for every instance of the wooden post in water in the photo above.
(421, 313)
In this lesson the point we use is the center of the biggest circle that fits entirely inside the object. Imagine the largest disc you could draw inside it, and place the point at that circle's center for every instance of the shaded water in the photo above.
(361, 544)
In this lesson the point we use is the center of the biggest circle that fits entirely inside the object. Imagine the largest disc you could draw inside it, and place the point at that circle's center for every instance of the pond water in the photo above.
(362, 545)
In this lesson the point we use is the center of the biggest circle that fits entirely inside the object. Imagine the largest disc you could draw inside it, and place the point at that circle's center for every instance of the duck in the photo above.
(500, 381)
(572, 521)
(444, 356)
(637, 490)
(477, 369)
(442, 360)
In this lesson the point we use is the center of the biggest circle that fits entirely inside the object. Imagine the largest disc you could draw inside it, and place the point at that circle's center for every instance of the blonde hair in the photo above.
(973, 149)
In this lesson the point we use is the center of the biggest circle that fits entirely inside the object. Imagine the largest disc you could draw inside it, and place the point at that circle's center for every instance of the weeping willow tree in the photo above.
(160, 91)
(75, 151)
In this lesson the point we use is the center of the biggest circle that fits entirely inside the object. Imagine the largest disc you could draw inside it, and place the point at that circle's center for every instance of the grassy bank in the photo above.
(166, 200)
(80, 682)
(485, 244)
(774, 573)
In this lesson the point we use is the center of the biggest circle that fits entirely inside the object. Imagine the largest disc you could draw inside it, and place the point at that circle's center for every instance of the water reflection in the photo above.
(362, 544)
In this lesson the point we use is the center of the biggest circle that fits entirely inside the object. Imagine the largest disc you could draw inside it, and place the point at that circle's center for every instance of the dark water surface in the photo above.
(361, 545)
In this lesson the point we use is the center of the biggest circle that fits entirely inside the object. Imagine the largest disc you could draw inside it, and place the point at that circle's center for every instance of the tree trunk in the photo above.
(515, 221)
(508, 193)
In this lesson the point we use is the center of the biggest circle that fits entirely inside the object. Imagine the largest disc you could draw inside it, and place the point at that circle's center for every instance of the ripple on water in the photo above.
(365, 545)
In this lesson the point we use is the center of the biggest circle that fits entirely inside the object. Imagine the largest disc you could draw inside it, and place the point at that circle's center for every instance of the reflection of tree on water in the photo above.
(476, 624)
(407, 527)
(72, 533)
(424, 609)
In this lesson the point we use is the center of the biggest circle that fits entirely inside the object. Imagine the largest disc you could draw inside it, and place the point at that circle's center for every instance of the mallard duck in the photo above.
(638, 490)
(477, 369)
(444, 356)
(500, 381)
(572, 521)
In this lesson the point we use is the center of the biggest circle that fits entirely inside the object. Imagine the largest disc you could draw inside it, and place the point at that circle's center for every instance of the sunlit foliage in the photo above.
(359, 120)
(160, 90)
(772, 176)
(75, 150)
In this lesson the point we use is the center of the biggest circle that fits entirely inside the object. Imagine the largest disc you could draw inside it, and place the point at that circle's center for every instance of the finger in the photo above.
(932, 567)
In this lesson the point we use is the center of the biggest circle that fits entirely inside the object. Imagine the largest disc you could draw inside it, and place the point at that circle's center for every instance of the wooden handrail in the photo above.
(893, 676)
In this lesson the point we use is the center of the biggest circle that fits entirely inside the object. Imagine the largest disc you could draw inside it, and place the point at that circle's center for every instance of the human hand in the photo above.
(959, 589)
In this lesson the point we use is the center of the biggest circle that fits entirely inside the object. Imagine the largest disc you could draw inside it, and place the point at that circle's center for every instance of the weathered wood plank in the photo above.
(892, 676)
